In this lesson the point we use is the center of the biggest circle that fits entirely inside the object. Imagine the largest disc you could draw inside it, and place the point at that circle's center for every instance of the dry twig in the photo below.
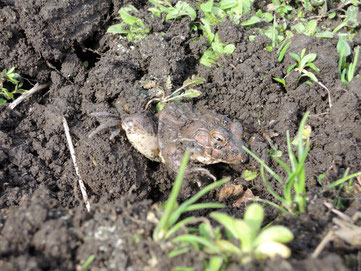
(72, 154)
(26, 95)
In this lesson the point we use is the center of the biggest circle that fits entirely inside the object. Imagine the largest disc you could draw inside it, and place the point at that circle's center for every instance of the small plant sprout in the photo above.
(294, 203)
(244, 239)
(169, 224)
(133, 27)
(346, 70)
(303, 62)
(10, 77)
(350, 19)
(179, 10)
(177, 95)
(216, 50)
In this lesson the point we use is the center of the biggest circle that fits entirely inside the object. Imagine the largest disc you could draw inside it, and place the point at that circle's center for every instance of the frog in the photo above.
(179, 127)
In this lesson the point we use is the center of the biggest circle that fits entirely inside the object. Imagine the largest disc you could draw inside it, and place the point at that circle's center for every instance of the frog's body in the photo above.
(209, 137)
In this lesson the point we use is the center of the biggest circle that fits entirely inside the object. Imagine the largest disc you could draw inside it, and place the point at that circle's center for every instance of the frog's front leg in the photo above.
(172, 156)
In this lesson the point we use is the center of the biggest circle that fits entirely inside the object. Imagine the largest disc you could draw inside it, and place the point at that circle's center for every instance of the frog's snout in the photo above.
(238, 155)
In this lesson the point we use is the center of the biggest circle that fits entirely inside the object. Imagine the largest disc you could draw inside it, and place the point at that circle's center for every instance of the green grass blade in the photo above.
(344, 179)
(283, 164)
(189, 238)
(200, 206)
(271, 203)
(291, 155)
(163, 225)
(283, 52)
(273, 174)
(352, 68)
(178, 225)
(181, 209)
(177, 251)
(269, 188)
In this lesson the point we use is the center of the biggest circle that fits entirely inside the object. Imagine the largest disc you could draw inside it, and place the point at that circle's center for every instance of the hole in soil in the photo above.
(87, 55)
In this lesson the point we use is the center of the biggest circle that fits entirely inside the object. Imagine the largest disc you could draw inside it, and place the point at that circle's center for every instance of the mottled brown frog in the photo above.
(209, 137)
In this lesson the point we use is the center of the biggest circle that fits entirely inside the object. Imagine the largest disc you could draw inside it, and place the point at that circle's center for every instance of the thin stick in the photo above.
(329, 237)
(26, 95)
(72, 154)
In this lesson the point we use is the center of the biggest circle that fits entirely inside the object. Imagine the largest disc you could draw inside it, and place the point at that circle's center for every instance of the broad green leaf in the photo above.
(249, 175)
(3, 102)
(207, 6)
(208, 58)
(126, 17)
(274, 233)
(311, 28)
(295, 56)
(268, 17)
(229, 49)
(272, 249)
(192, 93)
(155, 11)
(251, 21)
(217, 46)
(253, 217)
(343, 48)
(308, 58)
(193, 81)
(226, 221)
(207, 30)
(227, 246)
(245, 234)
(182, 9)
(117, 29)
(300, 28)
(215, 263)
(227, 4)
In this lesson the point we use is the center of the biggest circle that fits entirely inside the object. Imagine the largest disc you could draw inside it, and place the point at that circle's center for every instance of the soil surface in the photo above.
(44, 224)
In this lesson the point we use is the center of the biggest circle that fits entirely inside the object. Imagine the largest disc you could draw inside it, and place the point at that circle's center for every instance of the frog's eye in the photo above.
(218, 139)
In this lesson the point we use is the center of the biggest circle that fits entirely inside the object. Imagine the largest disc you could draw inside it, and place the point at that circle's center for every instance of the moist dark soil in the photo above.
(44, 224)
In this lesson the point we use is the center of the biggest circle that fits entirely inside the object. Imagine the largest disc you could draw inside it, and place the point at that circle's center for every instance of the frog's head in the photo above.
(221, 143)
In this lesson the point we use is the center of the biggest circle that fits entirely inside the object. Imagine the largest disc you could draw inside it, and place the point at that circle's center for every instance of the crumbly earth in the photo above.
(43, 221)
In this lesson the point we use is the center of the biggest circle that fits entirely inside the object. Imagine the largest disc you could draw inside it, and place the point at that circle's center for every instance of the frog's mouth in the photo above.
(228, 156)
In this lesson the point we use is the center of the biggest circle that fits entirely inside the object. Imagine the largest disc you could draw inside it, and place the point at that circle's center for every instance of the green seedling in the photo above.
(350, 20)
(179, 10)
(303, 62)
(169, 224)
(342, 185)
(177, 95)
(294, 203)
(9, 76)
(216, 50)
(283, 48)
(281, 7)
(249, 175)
(244, 239)
(258, 17)
(346, 70)
(88, 262)
(132, 27)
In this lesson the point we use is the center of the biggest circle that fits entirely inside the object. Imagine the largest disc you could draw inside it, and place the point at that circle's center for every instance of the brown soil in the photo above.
(43, 221)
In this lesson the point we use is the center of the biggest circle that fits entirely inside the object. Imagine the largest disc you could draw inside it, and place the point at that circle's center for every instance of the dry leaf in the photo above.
(229, 190)
(246, 196)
